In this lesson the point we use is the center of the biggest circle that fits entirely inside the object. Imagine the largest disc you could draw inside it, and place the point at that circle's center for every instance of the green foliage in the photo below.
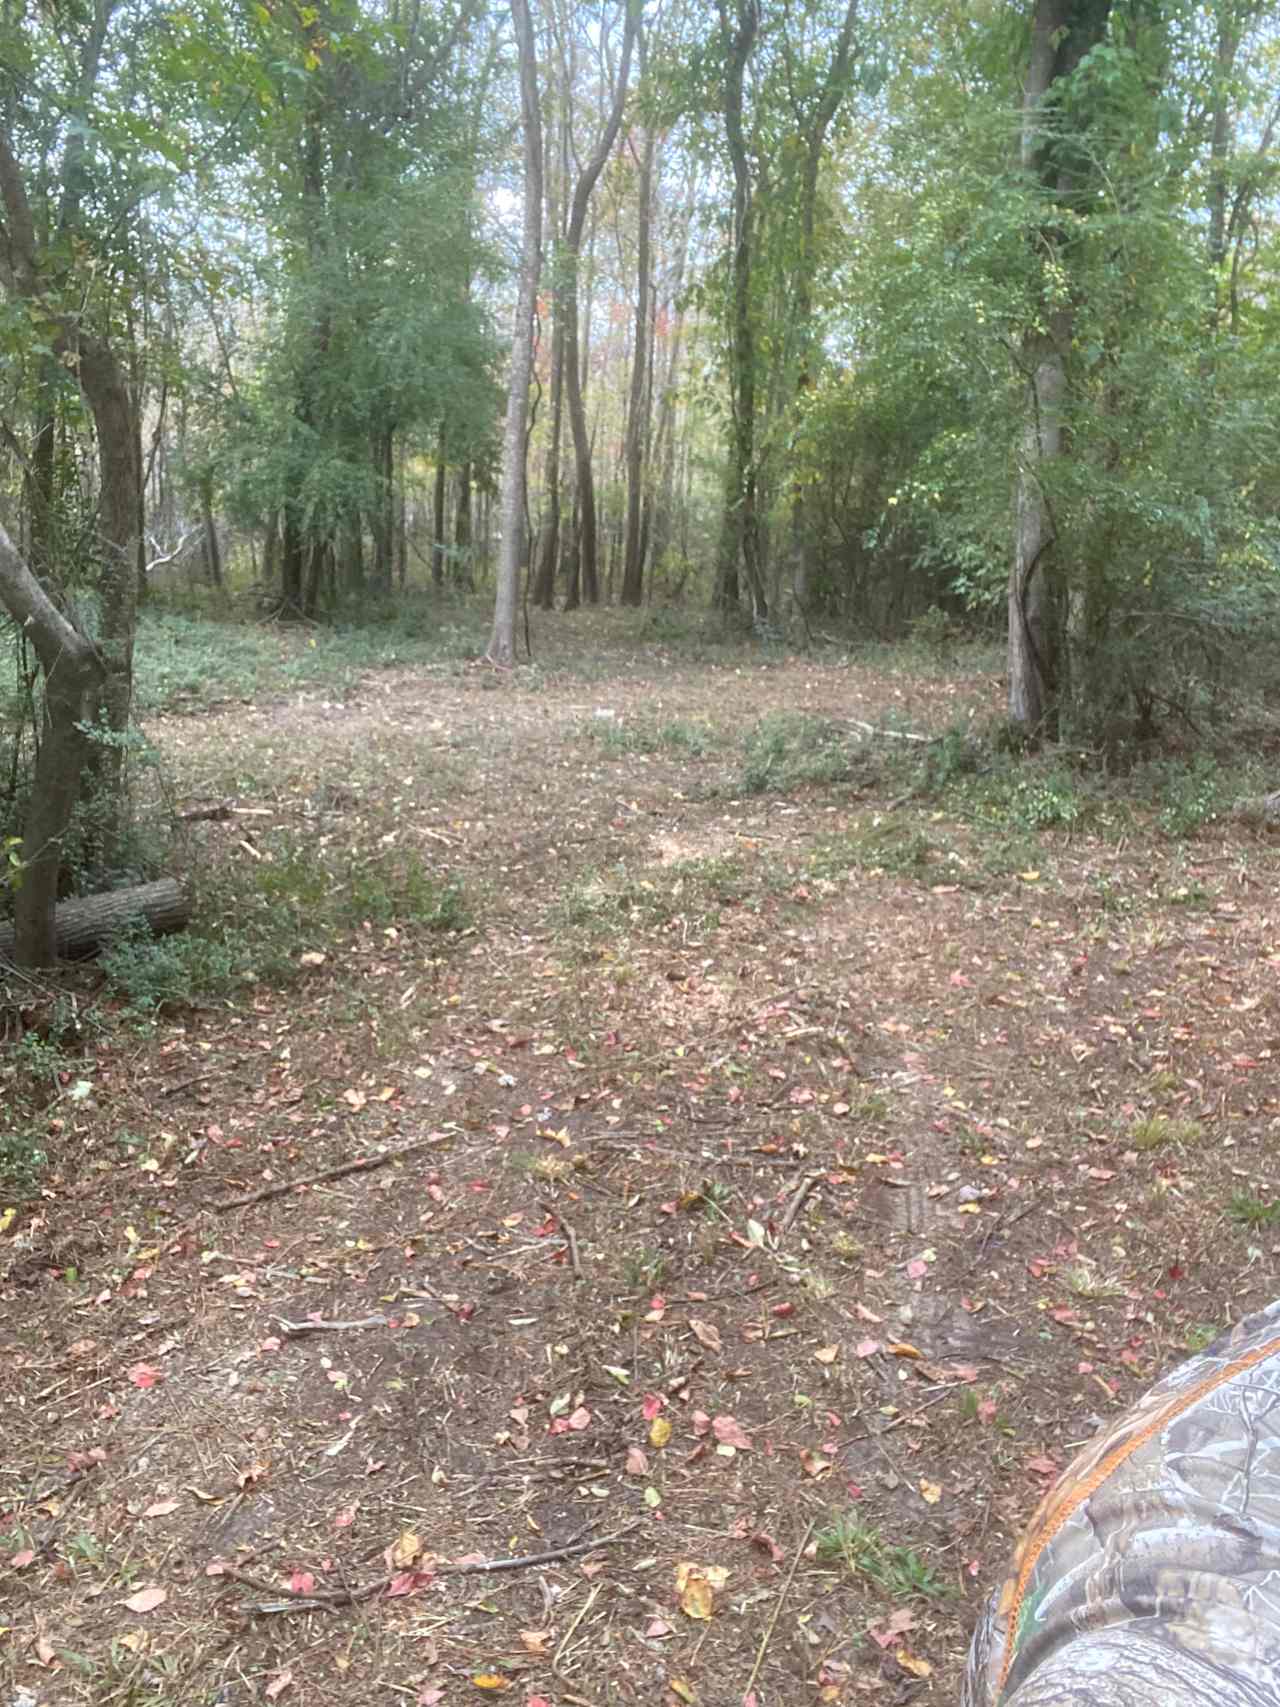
(787, 750)
(152, 974)
(1193, 796)
(1247, 1210)
(863, 1551)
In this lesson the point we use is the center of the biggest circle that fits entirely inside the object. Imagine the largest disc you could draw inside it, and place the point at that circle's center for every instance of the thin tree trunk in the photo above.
(544, 585)
(502, 641)
(638, 421)
(438, 542)
(587, 179)
(462, 529)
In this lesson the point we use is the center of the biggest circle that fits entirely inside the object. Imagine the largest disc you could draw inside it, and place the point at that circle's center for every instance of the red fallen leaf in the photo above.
(728, 1432)
(1102, 1173)
(20, 1561)
(886, 1632)
(787, 1309)
(866, 1348)
(302, 1582)
(345, 1518)
(1042, 1465)
(145, 1375)
(767, 1544)
(701, 1422)
(657, 1627)
(653, 1403)
(637, 1463)
(813, 1464)
(865, 1315)
(279, 1683)
(429, 1696)
(986, 1410)
(86, 1460)
(580, 1419)
(408, 1582)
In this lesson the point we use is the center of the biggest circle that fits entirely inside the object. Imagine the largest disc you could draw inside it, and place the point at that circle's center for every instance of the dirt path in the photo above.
(789, 1180)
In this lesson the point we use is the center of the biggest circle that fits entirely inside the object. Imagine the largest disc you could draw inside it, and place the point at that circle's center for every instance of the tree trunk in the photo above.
(502, 641)
(1063, 31)
(638, 422)
(115, 417)
(212, 552)
(438, 545)
(544, 584)
(587, 178)
(739, 540)
(82, 927)
(462, 529)
(74, 675)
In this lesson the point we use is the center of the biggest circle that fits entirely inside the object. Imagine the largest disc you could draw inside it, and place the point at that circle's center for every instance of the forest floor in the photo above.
(777, 1165)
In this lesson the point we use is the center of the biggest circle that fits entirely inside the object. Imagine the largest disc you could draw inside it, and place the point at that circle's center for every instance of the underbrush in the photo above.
(260, 926)
(184, 662)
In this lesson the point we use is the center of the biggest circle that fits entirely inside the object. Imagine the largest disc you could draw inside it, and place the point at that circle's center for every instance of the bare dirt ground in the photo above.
(760, 1196)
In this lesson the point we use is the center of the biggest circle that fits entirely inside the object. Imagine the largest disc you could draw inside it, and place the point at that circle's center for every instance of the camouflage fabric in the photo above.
(1150, 1574)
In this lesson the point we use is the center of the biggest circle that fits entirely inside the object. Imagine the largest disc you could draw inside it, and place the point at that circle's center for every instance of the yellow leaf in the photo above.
(930, 1492)
(6, 1220)
(1027, 877)
(404, 1550)
(901, 1348)
(913, 1663)
(491, 1680)
(681, 1689)
(659, 1432)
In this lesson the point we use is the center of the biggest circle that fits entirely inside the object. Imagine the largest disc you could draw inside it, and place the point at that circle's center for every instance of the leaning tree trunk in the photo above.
(74, 676)
(502, 641)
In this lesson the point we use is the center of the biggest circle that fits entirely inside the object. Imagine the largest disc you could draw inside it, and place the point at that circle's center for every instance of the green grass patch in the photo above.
(1163, 1131)
(863, 1551)
(786, 750)
(886, 843)
(1246, 1210)
(694, 889)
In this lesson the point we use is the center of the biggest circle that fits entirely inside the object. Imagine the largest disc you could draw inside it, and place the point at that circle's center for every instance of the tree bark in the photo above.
(74, 674)
(1062, 33)
(739, 539)
(502, 641)
(438, 544)
(638, 412)
(587, 545)
(84, 926)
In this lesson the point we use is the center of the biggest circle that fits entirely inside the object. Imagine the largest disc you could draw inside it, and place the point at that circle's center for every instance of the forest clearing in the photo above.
(779, 1145)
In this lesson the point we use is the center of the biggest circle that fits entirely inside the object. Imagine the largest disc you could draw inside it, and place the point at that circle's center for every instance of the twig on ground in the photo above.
(289, 1327)
(777, 1611)
(335, 1599)
(363, 1164)
(797, 1202)
(575, 1259)
(1001, 1224)
(583, 1610)
(204, 814)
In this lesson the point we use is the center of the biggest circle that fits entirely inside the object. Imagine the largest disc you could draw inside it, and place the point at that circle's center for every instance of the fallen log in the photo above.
(85, 925)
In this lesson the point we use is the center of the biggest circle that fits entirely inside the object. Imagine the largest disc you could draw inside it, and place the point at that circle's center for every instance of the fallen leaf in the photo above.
(145, 1375)
(637, 1463)
(827, 1353)
(866, 1348)
(403, 1550)
(490, 1680)
(580, 1419)
(706, 1334)
(301, 1582)
(659, 1432)
(161, 1508)
(535, 1641)
(728, 1432)
(930, 1492)
(696, 1598)
(813, 1464)
(901, 1348)
(913, 1663)
(20, 1561)
(147, 1599)
(886, 1632)
(279, 1683)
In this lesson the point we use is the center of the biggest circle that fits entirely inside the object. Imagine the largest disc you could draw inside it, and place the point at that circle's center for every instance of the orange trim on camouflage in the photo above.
(1070, 1494)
